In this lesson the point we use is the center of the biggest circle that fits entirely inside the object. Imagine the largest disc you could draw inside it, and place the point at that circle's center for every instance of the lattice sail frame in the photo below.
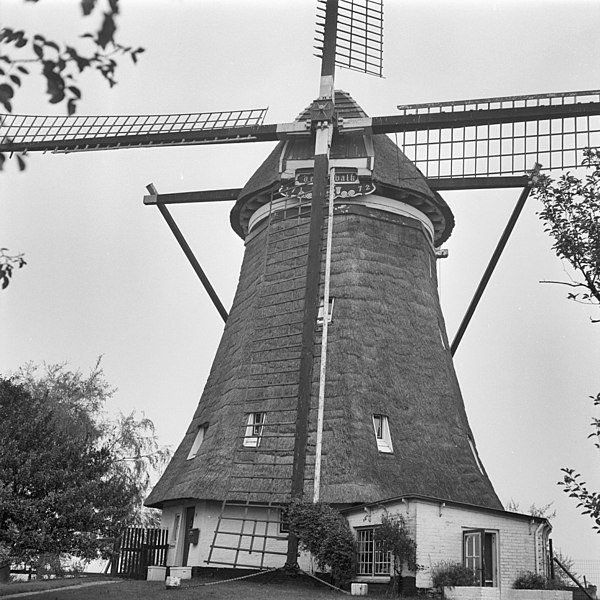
(359, 41)
(30, 129)
(501, 149)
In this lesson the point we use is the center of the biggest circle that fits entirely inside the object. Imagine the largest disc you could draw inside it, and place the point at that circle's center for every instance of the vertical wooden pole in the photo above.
(323, 133)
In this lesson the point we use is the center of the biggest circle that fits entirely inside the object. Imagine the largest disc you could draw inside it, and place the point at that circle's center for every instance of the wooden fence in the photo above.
(141, 547)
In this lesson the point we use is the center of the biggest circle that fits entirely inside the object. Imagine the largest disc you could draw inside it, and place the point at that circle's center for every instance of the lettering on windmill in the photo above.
(349, 185)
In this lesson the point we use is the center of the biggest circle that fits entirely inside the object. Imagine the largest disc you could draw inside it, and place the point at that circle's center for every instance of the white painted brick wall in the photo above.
(438, 531)
(206, 518)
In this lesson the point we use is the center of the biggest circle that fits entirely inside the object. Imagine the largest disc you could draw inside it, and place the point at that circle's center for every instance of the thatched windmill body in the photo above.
(363, 405)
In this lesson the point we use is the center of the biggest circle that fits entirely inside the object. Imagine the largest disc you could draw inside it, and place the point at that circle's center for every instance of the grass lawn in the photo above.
(125, 589)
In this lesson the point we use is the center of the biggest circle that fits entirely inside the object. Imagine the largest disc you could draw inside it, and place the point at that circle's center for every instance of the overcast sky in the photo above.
(105, 276)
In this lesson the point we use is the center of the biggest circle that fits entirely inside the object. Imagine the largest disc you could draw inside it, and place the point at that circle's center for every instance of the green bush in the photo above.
(451, 574)
(533, 581)
(323, 532)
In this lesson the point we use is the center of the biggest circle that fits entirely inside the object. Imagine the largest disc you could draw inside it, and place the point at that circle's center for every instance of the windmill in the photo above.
(246, 126)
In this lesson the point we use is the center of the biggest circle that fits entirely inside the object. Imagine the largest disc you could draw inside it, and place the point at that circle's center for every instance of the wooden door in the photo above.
(190, 512)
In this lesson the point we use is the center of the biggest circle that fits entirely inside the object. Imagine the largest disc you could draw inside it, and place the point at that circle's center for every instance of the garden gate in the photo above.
(141, 547)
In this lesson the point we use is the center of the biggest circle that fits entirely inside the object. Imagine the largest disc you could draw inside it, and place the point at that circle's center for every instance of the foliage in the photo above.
(70, 479)
(451, 574)
(574, 485)
(571, 215)
(323, 532)
(533, 581)
(560, 576)
(393, 536)
(61, 63)
(4, 554)
(9, 262)
(542, 511)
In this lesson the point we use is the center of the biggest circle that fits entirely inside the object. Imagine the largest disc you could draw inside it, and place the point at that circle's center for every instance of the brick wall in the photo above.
(438, 530)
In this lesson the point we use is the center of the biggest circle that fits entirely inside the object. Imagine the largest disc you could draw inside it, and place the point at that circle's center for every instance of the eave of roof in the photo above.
(439, 501)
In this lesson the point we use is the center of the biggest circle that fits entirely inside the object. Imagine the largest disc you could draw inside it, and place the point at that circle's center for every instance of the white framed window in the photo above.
(381, 426)
(329, 313)
(480, 554)
(370, 559)
(198, 440)
(254, 429)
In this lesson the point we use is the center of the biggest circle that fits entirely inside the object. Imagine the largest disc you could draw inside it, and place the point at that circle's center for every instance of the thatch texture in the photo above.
(385, 357)
(387, 354)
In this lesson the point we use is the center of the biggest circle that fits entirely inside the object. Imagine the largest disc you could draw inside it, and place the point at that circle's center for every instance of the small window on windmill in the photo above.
(198, 440)
(254, 429)
(382, 433)
(329, 314)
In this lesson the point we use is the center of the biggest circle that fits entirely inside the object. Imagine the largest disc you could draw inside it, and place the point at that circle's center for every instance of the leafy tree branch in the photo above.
(60, 63)
(571, 215)
(9, 262)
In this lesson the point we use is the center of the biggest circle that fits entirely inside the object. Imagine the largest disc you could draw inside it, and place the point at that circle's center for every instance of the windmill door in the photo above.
(479, 555)
(190, 512)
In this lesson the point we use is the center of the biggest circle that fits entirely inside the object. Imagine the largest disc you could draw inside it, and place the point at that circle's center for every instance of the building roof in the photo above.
(441, 501)
(393, 174)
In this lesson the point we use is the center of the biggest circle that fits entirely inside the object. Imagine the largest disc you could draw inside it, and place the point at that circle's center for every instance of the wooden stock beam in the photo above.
(473, 118)
(224, 195)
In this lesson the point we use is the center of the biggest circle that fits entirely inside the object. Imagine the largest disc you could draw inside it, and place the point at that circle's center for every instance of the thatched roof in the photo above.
(393, 174)
(387, 354)
(385, 357)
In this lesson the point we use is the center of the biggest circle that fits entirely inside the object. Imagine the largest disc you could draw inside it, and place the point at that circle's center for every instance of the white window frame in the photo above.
(254, 429)
(329, 314)
(381, 427)
(370, 562)
(475, 544)
(198, 441)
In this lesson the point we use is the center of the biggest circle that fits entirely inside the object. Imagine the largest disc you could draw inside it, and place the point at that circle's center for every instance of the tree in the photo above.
(394, 537)
(574, 485)
(571, 214)
(323, 532)
(70, 479)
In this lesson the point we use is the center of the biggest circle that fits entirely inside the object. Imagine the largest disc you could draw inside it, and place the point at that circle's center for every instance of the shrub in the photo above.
(323, 532)
(450, 574)
(533, 581)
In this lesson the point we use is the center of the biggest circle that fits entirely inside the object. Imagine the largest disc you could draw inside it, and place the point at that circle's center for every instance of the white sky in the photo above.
(105, 276)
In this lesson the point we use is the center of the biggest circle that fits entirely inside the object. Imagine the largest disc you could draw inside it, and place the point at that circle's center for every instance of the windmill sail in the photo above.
(359, 40)
(20, 133)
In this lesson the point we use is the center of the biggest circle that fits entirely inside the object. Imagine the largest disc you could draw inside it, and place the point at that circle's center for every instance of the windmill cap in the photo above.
(393, 174)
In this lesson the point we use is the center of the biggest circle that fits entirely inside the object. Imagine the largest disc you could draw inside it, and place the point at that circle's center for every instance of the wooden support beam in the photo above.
(490, 268)
(189, 254)
(224, 195)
